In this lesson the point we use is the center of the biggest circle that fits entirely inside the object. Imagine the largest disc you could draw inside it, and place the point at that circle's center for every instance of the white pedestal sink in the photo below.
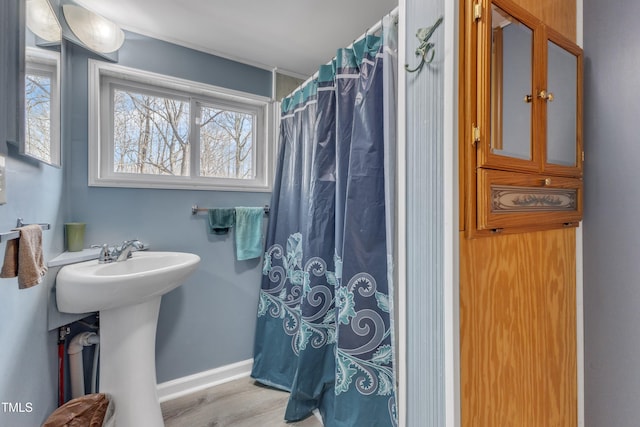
(127, 294)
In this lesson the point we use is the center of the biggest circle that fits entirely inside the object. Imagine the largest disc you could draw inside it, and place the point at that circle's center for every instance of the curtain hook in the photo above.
(426, 47)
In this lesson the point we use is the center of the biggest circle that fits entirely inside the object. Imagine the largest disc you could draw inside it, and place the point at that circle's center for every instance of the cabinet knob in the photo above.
(528, 99)
(547, 96)
(547, 181)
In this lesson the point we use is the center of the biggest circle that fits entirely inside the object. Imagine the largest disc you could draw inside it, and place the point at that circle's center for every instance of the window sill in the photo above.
(186, 185)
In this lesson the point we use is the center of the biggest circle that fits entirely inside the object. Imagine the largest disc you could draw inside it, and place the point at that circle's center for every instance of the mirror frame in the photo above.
(12, 28)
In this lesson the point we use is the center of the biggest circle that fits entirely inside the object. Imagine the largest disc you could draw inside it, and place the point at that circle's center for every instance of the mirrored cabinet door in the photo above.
(529, 94)
(506, 100)
(563, 108)
(511, 45)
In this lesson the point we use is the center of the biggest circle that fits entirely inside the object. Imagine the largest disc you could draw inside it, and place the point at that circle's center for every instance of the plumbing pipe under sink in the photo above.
(76, 366)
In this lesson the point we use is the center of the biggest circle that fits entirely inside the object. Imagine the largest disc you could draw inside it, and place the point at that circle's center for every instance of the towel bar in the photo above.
(14, 234)
(195, 209)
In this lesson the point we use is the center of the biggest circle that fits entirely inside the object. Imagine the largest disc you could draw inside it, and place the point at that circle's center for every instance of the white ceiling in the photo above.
(295, 36)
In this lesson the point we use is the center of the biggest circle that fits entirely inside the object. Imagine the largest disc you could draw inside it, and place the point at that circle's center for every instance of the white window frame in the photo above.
(103, 77)
(47, 63)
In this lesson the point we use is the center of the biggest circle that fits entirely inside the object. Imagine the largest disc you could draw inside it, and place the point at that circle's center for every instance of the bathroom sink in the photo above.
(127, 294)
(90, 286)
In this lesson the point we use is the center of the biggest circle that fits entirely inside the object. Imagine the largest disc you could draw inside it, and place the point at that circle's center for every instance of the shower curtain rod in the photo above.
(375, 27)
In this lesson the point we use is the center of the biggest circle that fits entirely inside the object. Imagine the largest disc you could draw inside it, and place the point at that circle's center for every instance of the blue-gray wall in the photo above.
(612, 207)
(209, 321)
(28, 359)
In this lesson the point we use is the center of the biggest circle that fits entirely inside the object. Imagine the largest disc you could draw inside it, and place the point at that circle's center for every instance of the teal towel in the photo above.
(221, 220)
(249, 233)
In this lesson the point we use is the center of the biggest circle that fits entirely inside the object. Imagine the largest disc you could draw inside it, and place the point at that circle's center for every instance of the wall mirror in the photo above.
(42, 89)
(511, 85)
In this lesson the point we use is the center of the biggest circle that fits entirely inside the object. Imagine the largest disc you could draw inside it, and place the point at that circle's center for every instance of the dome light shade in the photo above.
(42, 21)
(94, 31)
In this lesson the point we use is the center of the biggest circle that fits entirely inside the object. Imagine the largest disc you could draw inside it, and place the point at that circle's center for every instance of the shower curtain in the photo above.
(325, 316)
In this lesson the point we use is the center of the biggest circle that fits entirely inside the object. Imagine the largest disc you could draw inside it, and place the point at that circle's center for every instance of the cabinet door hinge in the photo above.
(583, 156)
(477, 11)
(475, 135)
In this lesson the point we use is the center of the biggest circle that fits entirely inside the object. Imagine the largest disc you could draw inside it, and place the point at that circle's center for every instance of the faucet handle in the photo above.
(104, 246)
(105, 253)
(134, 243)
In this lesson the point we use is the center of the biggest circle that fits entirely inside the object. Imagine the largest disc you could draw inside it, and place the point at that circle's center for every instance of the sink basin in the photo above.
(127, 294)
(90, 286)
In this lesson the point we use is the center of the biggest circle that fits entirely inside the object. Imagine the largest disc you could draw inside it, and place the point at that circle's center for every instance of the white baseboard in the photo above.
(190, 384)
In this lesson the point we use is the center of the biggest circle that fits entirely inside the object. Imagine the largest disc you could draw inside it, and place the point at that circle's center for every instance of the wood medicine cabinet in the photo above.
(526, 129)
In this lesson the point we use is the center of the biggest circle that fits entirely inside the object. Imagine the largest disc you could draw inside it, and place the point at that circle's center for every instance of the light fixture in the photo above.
(94, 31)
(42, 21)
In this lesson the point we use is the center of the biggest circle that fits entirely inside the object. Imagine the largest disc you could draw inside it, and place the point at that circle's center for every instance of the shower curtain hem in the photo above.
(272, 384)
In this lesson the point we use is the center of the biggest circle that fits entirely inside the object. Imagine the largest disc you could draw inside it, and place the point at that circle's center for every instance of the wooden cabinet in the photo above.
(518, 332)
(527, 120)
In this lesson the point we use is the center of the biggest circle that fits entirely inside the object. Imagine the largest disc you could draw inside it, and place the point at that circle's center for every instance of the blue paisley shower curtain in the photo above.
(325, 319)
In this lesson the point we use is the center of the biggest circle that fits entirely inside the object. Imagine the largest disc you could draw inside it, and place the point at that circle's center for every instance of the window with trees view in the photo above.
(157, 131)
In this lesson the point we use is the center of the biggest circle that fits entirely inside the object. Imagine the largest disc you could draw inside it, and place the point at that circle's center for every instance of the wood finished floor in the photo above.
(240, 403)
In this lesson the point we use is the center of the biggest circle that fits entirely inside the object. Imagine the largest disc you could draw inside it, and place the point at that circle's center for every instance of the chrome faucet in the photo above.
(110, 254)
(128, 246)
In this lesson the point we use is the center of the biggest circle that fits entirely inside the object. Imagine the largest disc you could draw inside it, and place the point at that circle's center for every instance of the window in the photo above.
(154, 131)
(42, 106)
